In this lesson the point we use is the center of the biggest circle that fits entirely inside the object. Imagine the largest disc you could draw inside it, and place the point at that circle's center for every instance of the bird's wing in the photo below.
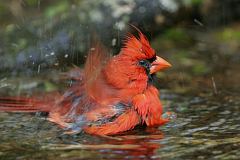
(115, 124)
(99, 120)
(95, 84)
(97, 57)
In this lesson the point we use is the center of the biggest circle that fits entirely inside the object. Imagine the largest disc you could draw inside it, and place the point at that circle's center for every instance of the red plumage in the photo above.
(110, 95)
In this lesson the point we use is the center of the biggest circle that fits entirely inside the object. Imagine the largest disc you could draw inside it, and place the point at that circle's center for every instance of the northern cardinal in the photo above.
(110, 95)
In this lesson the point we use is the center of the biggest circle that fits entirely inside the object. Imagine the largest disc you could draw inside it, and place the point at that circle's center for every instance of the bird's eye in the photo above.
(145, 63)
(142, 63)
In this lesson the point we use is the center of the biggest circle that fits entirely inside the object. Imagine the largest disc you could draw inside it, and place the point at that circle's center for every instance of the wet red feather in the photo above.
(111, 94)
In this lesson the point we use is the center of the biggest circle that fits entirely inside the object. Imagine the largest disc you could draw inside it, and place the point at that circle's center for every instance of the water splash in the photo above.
(172, 116)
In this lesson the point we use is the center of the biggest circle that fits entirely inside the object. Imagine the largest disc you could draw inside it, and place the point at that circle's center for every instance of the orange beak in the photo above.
(158, 65)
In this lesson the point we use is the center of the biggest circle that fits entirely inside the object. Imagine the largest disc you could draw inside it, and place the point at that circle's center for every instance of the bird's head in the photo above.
(134, 66)
(143, 54)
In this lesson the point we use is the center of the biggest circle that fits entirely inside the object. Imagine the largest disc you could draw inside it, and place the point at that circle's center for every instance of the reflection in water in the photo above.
(140, 143)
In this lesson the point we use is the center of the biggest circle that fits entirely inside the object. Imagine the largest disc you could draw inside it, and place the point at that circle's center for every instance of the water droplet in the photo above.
(114, 41)
(39, 68)
(170, 115)
(198, 22)
(120, 25)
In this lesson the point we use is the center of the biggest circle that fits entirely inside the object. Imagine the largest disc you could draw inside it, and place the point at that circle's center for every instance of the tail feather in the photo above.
(22, 104)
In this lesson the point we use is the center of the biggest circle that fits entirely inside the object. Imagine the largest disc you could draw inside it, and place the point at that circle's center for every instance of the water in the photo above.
(37, 36)
(206, 127)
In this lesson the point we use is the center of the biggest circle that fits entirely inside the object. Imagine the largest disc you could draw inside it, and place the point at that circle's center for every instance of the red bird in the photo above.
(110, 95)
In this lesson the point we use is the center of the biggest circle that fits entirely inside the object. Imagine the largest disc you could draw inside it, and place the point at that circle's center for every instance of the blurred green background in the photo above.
(200, 38)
